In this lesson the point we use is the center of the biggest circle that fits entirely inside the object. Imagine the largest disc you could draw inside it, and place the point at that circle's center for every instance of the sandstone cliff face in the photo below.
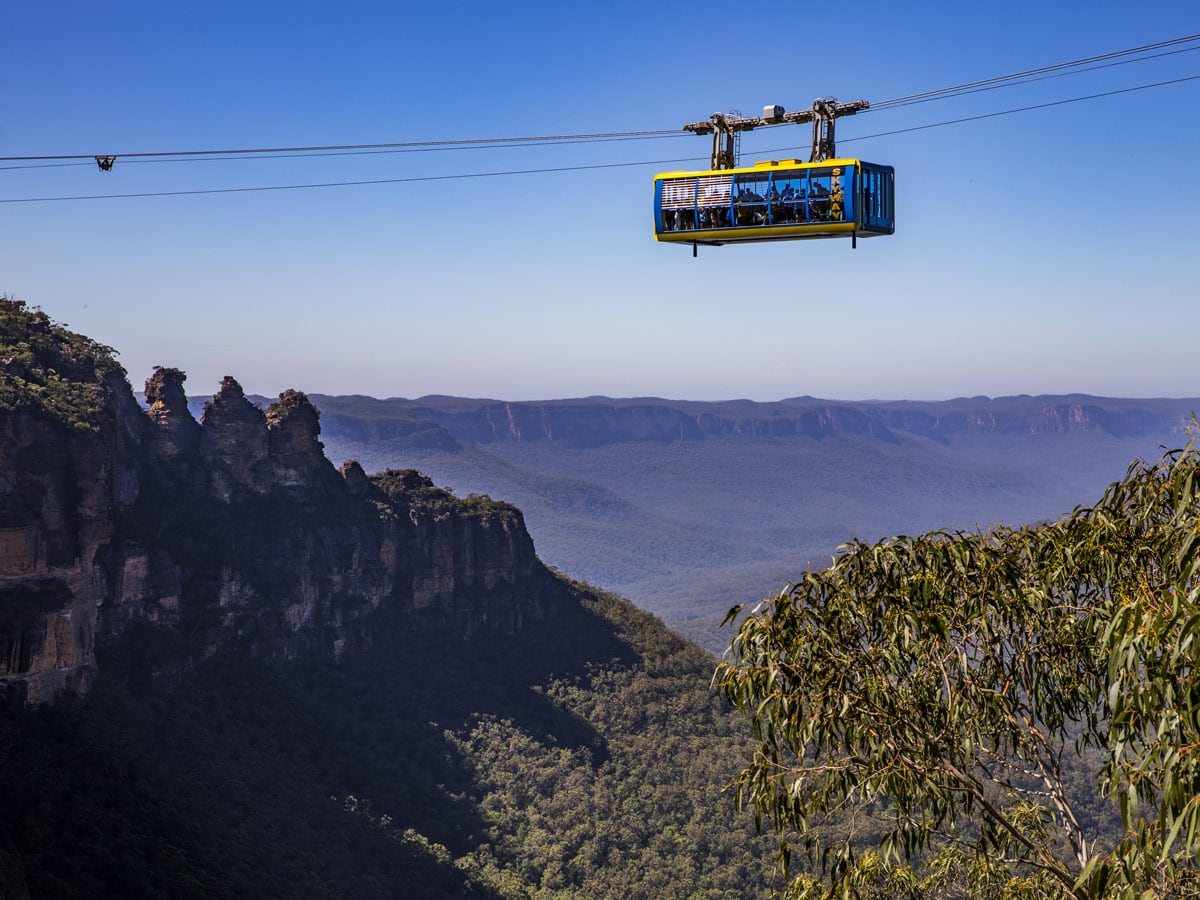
(235, 533)
(235, 445)
(177, 433)
(62, 490)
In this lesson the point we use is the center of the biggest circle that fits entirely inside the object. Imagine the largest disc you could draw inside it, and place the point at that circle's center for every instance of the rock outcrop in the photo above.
(235, 445)
(234, 534)
(177, 433)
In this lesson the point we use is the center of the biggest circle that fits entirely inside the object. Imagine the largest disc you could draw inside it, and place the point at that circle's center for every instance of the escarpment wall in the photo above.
(234, 532)
(447, 422)
(62, 491)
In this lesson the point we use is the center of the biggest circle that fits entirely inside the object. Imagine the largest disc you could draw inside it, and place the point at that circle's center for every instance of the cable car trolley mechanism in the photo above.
(779, 200)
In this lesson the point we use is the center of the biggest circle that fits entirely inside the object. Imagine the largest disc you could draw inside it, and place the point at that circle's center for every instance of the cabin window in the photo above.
(789, 198)
(877, 198)
(712, 201)
(870, 198)
(679, 204)
(750, 198)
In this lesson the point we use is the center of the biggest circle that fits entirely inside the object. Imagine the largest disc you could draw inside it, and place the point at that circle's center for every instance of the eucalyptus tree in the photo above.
(945, 690)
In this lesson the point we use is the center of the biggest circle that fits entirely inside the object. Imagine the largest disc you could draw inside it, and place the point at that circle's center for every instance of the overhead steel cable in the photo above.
(912, 98)
(556, 169)
(1003, 112)
(61, 165)
(1033, 79)
(940, 93)
(500, 141)
(211, 158)
(294, 187)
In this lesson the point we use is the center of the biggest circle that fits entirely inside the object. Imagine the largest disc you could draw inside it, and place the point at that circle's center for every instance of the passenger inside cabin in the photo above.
(751, 208)
(786, 211)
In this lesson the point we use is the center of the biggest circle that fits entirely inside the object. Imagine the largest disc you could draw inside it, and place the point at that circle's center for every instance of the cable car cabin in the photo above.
(775, 201)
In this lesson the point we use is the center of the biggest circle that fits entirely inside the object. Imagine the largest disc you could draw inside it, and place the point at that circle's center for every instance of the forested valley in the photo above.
(587, 758)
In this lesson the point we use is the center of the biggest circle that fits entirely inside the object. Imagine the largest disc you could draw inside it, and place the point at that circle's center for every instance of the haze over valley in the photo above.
(690, 507)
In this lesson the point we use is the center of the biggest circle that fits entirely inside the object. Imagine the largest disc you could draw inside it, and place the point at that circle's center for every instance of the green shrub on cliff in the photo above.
(409, 489)
(45, 367)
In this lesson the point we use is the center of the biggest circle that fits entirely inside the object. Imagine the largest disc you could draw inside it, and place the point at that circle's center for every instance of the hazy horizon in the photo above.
(194, 395)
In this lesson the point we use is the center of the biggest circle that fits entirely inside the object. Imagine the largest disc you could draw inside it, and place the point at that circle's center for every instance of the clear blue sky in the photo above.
(1045, 252)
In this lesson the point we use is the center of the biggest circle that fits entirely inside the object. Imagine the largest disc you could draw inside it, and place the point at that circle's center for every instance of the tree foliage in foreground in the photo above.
(955, 684)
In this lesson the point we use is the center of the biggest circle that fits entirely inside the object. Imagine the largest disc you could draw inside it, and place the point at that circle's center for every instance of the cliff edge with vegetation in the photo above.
(231, 532)
(274, 679)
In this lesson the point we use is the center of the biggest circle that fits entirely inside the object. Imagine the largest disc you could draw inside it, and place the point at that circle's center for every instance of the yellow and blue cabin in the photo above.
(780, 200)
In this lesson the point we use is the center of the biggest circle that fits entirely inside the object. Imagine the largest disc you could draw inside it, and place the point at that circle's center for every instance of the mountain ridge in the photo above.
(688, 507)
(597, 421)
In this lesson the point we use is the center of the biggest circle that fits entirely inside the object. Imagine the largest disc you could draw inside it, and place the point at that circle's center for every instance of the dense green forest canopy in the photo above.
(977, 692)
(584, 757)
